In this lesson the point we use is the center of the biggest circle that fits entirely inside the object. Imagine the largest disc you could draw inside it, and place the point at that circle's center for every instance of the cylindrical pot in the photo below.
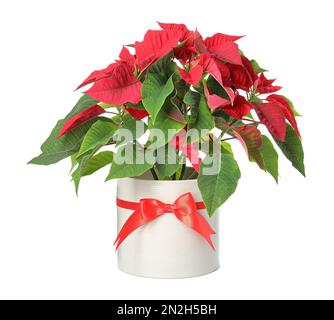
(165, 247)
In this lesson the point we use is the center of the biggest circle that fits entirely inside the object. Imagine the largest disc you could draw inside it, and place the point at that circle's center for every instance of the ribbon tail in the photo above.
(134, 222)
(199, 224)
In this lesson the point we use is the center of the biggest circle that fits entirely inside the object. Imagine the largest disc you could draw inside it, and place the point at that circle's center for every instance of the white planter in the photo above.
(165, 247)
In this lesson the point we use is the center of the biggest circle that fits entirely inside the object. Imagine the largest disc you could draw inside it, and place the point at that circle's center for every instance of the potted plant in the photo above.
(162, 117)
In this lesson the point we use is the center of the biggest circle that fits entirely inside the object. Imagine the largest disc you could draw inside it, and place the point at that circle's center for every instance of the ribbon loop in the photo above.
(184, 208)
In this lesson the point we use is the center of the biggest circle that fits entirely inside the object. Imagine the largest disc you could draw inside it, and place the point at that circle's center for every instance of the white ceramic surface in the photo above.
(164, 248)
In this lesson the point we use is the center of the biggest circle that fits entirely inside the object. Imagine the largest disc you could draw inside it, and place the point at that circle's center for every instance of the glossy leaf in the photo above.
(292, 148)
(164, 123)
(129, 164)
(216, 189)
(133, 126)
(54, 150)
(156, 88)
(90, 165)
(167, 162)
(204, 119)
(98, 135)
(270, 157)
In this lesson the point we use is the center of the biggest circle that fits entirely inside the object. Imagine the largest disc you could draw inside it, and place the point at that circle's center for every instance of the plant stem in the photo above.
(154, 174)
(250, 120)
(232, 138)
(183, 171)
(226, 129)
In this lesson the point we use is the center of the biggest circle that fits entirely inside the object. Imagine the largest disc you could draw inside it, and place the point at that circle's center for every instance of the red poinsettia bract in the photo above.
(137, 113)
(240, 108)
(190, 150)
(98, 75)
(284, 105)
(122, 87)
(224, 47)
(193, 76)
(264, 85)
(80, 118)
(187, 50)
(156, 44)
(273, 118)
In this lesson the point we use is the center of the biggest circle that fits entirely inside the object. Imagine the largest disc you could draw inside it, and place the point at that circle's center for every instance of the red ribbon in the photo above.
(184, 208)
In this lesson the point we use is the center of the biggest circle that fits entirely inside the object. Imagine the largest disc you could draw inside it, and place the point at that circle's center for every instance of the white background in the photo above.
(277, 241)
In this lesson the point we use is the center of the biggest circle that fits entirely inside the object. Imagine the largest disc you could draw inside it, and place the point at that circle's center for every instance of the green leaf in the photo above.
(156, 88)
(89, 165)
(164, 123)
(98, 135)
(257, 67)
(216, 189)
(216, 88)
(130, 125)
(292, 148)
(84, 103)
(160, 65)
(54, 150)
(226, 147)
(167, 161)
(201, 117)
(129, 161)
(97, 162)
(192, 99)
(270, 157)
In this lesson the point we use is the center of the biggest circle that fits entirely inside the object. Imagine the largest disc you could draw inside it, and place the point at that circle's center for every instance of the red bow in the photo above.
(184, 208)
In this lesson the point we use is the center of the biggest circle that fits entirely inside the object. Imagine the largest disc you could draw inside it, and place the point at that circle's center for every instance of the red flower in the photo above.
(241, 77)
(81, 118)
(240, 108)
(223, 47)
(214, 68)
(210, 66)
(122, 87)
(282, 103)
(99, 75)
(213, 100)
(187, 37)
(155, 45)
(264, 85)
(127, 57)
(137, 113)
(193, 76)
(272, 116)
(249, 68)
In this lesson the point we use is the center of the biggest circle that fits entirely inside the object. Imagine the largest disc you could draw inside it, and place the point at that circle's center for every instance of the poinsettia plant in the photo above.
(176, 82)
